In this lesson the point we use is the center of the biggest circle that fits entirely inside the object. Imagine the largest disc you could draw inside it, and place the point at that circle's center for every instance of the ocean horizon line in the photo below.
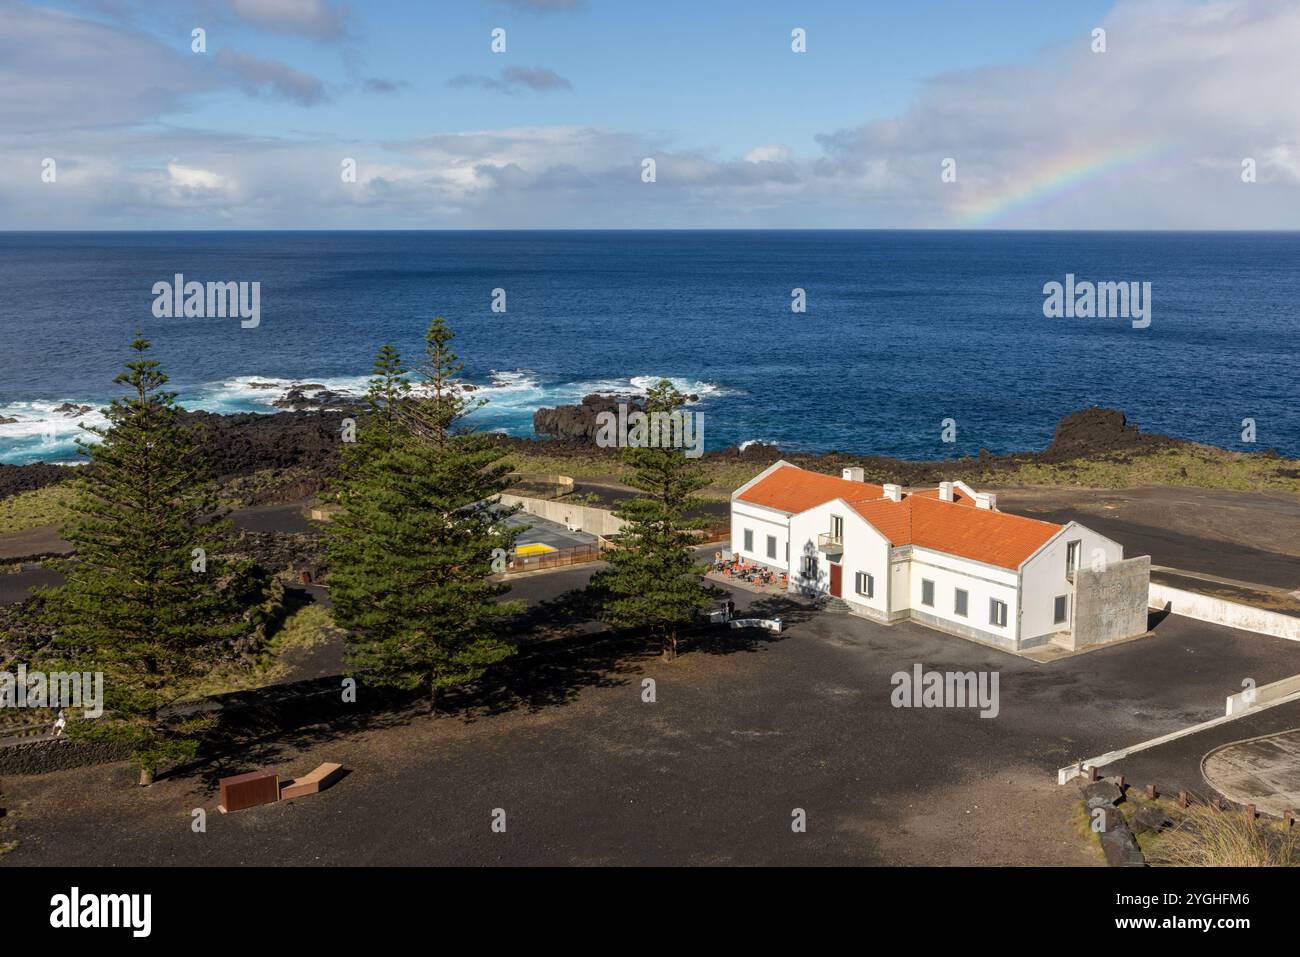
(1020, 230)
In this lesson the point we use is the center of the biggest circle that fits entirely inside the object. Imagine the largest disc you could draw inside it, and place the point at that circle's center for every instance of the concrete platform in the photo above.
(1263, 771)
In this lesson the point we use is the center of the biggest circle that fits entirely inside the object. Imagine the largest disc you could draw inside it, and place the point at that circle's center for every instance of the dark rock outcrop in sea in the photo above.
(578, 423)
(317, 398)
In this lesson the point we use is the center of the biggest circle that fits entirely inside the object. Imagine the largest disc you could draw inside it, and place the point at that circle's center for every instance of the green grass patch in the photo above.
(1194, 466)
(1190, 466)
(42, 506)
(308, 627)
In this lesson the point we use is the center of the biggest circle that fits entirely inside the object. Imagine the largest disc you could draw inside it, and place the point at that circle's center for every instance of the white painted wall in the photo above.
(1220, 612)
(1043, 578)
(900, 586)
(865, 550)
(763, 522)
(804, 529)
(980, 581)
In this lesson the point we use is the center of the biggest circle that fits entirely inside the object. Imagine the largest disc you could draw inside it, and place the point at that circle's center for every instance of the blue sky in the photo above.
(1046, 133)
(719, 75)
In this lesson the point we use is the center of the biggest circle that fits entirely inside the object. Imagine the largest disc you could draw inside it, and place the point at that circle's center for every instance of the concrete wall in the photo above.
(1221, 612)
(595, 521)
(562, 482)
(1110, 603)
(1043, 579)
(1264, 694)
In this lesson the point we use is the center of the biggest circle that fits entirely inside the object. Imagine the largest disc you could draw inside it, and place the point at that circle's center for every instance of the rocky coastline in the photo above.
(304, 441)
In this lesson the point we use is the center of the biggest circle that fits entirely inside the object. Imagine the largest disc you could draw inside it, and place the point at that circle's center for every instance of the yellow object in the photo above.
(536, 548)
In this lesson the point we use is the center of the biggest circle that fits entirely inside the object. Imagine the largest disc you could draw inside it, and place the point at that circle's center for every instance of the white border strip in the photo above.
(1067, 774)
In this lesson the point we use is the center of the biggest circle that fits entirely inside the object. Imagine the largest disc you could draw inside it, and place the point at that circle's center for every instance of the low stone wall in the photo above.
(1221, 612)
(47, 753)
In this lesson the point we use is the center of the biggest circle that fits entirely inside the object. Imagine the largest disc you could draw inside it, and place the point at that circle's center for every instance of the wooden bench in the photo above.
(317, 781)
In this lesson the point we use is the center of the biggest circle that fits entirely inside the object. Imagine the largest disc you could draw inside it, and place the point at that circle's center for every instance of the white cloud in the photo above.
(312, 18)
(187, 177)
(772, 153)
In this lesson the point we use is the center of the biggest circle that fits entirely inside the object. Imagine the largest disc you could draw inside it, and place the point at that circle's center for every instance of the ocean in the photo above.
(903, 330)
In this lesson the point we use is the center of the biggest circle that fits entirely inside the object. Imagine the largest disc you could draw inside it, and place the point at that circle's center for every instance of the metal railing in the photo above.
(830, 542)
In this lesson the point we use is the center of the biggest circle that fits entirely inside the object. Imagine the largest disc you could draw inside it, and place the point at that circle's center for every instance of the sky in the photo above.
(399, 114)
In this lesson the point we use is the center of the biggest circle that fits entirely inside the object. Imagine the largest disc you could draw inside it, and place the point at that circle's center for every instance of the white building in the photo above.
(945, 557)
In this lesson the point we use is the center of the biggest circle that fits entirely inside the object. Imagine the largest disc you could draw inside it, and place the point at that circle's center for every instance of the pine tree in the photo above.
(654, 582)
(144, 601)
(420, 532)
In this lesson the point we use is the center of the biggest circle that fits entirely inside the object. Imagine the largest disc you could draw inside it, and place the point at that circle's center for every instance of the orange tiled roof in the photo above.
(958, 495)
(921, 518)
(981, 535)
(792, 489)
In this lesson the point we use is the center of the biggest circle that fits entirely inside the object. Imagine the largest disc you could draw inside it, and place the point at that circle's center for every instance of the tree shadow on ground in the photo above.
(267, 726)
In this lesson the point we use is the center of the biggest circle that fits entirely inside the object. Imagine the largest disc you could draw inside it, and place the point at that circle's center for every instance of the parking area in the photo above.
(745, 730)
(535, 530)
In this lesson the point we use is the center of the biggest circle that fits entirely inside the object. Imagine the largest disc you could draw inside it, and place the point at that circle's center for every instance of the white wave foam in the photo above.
(43, 434)
(512, 395)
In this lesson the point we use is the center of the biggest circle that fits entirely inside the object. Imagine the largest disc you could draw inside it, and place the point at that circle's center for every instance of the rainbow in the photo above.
(1060, 176)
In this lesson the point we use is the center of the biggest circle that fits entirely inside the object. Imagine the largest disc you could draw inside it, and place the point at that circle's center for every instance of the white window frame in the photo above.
(1072, 551)
(870, 582)
(956, 606)
(749, 541)
(924, 583)
(994, 618)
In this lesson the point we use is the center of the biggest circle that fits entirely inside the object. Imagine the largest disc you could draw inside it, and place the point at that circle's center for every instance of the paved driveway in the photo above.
(742, 732)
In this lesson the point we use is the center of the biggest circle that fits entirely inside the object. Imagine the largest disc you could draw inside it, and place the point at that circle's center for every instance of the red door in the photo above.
(836, 573)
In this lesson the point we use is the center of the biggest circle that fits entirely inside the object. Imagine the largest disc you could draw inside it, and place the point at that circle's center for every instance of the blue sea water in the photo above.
(902, 331)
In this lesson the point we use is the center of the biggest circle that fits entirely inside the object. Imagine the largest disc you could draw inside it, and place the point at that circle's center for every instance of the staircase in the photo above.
(829, 603)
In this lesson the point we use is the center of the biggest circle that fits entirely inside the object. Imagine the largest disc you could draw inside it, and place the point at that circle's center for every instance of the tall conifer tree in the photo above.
(420, 532)
(144, 601)
(654, 582)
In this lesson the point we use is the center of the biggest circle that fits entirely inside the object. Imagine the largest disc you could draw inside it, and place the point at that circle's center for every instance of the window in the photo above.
(1071, 558)
(866, 585)
(771, 546)
(927, 592)
(997, 613)
(749, 539)
(837, 527)
(810, 566)
(959, 602)
(1061, 609)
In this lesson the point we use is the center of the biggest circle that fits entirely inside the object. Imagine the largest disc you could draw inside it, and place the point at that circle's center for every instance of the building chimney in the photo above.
(986, 500)
(894, 492)
(945, 491)
(855, 475)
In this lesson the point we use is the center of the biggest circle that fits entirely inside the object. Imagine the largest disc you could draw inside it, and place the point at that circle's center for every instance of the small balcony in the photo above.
(830, 543)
